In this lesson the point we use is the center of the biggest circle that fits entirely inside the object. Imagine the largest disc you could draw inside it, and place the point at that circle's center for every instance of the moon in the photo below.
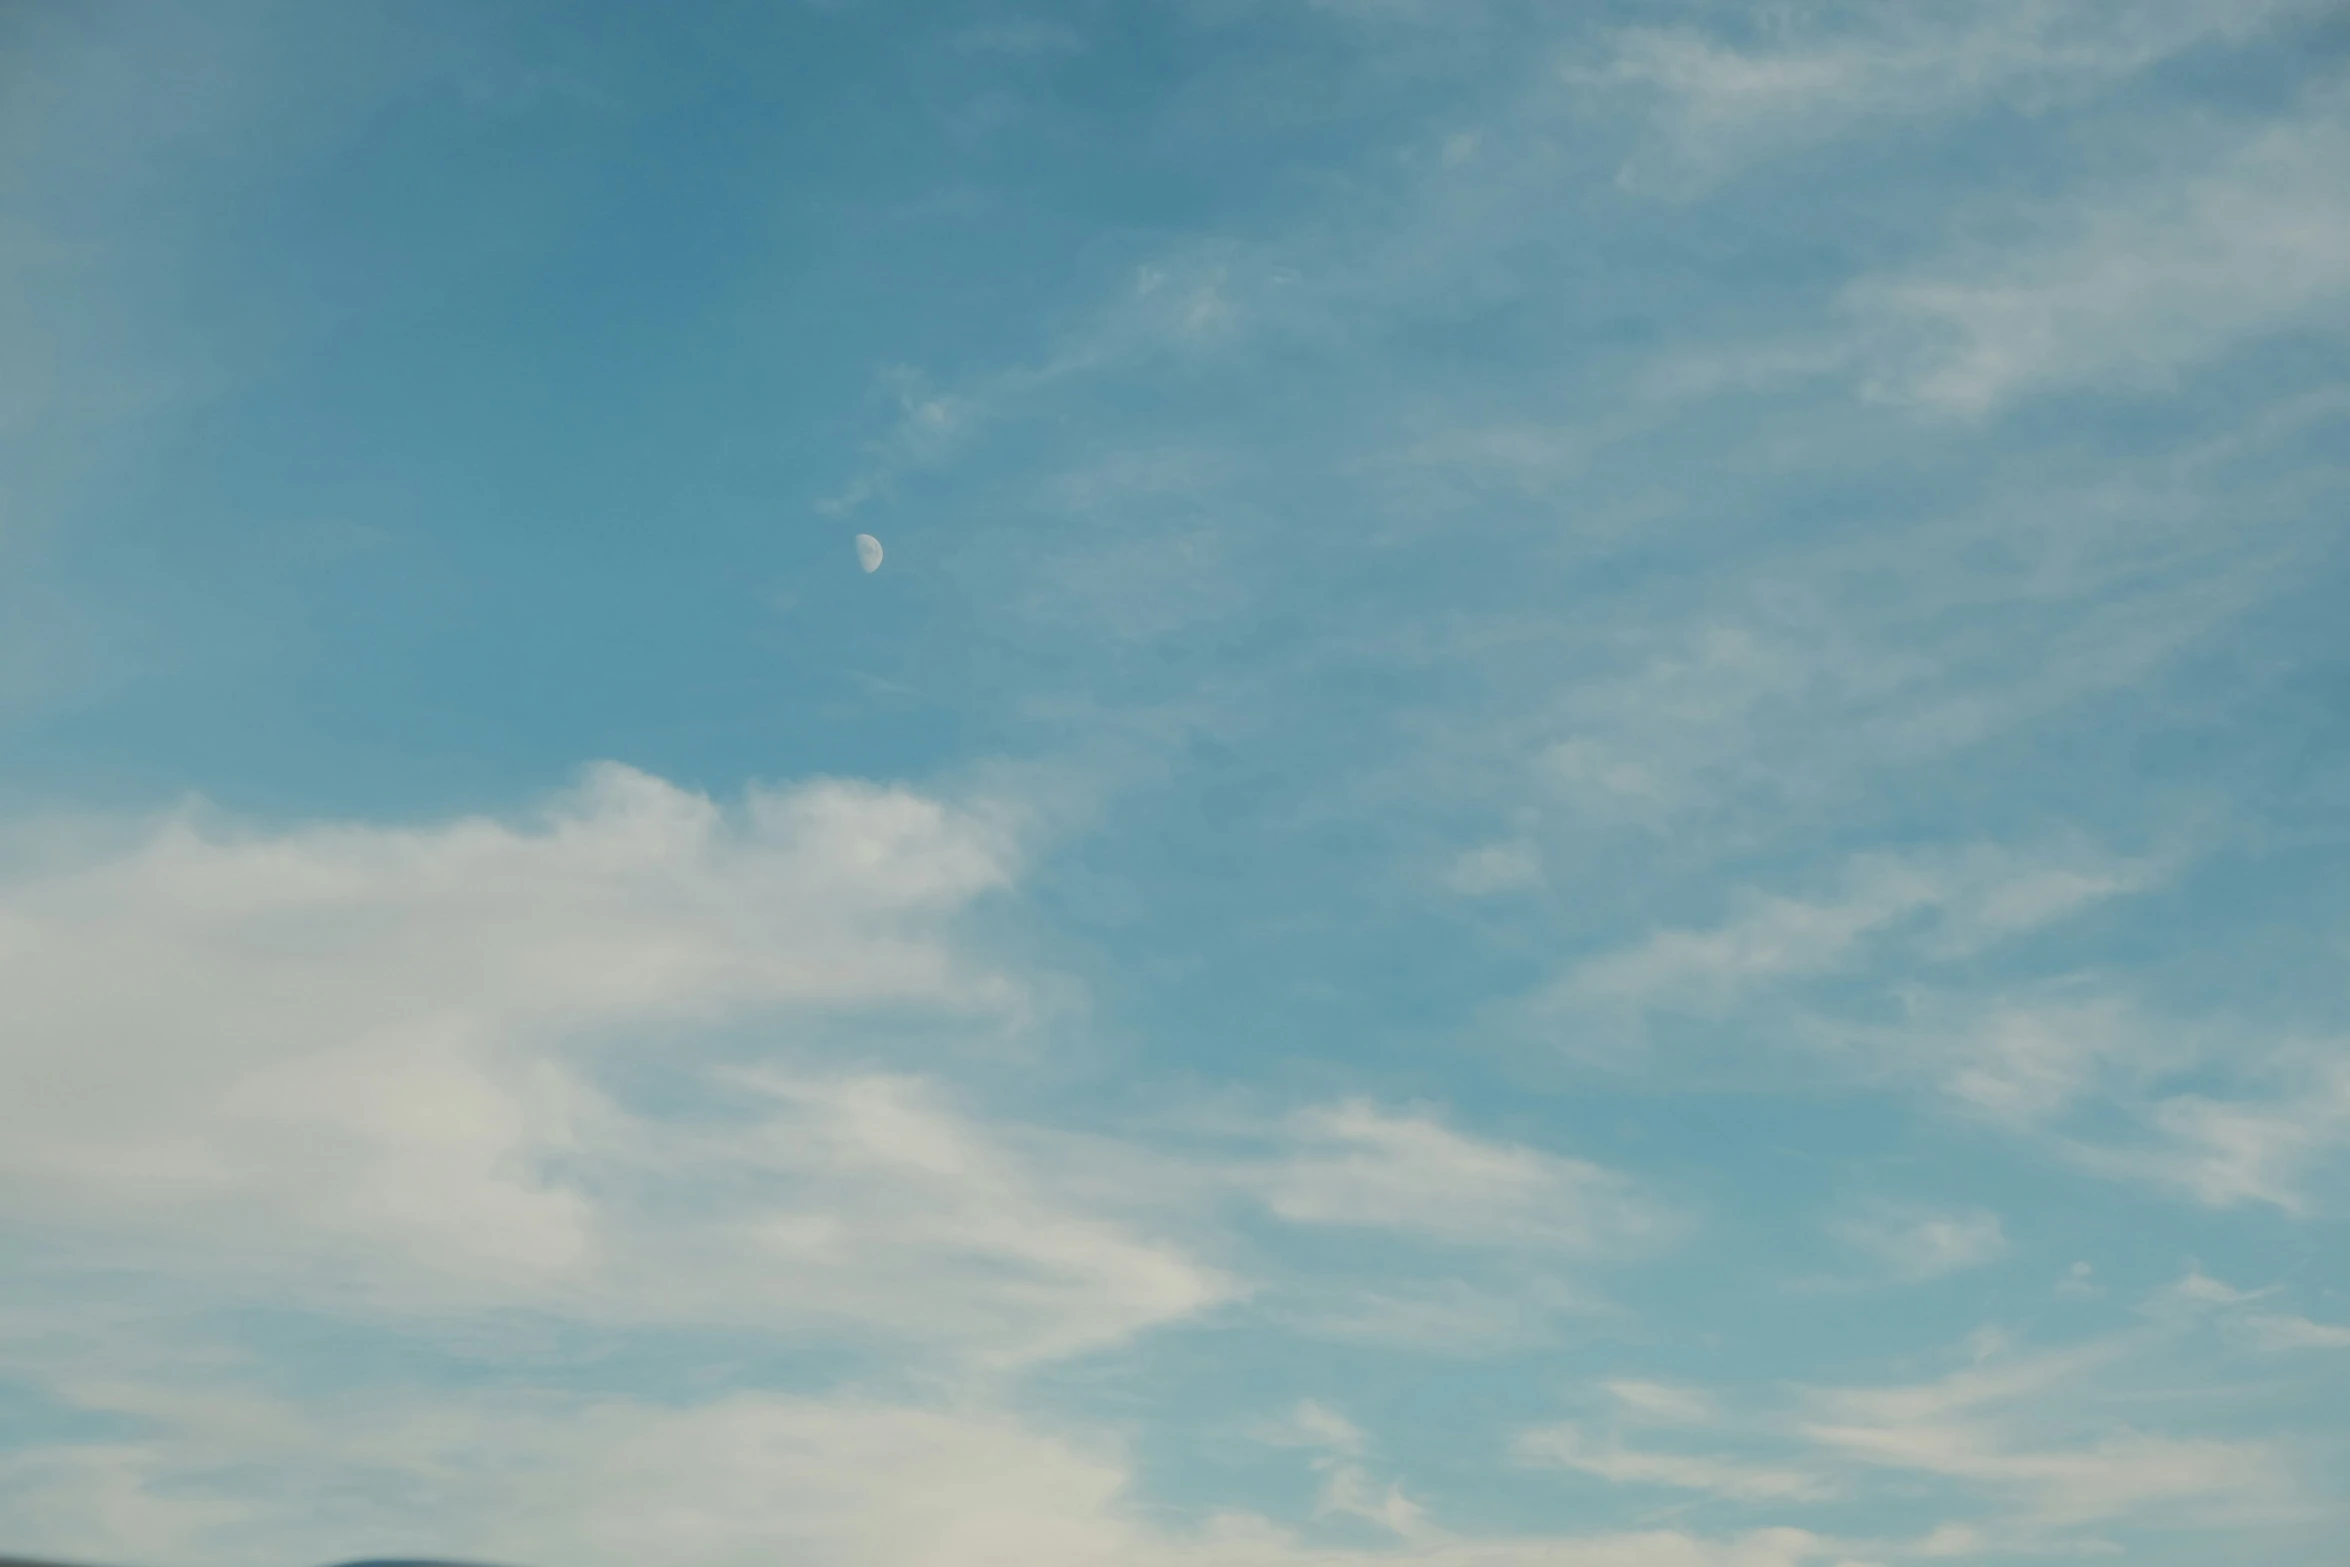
(868, 552)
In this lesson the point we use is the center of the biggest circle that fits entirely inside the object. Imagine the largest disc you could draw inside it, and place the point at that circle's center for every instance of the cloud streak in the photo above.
(1359, 1166)
(2146, 283)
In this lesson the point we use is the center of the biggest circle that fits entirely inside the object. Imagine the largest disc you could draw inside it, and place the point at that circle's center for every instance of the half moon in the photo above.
(868, 552)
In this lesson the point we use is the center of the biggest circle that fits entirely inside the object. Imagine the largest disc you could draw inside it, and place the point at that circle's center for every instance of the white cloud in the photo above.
(754, 1478)
(2079, 1283)
(1566, 1447)
(2120, 1477)
(1992, 1378)
(1776, 938)
(355, 1058)
(1916, 1246)
(1823, 72)
(750, 1479)
(2022, 1063)
(1450, 1317)
(2225, 1152)
(768, 1479)
(2145, 284)
(2048, 1449)
(2199, 1295)
(2024, 1432)
(1864, 657)
(868, 1203)
(1349, 1492)
(1312, 1424)
(2199, 1291)
(1965, 902)
(2271, 1134)
(1358, 1165)
(2279, 1334)
(1513, 1218)
(1190, 302)
(931, 427)
(1661, 1402)
(2039, 1066)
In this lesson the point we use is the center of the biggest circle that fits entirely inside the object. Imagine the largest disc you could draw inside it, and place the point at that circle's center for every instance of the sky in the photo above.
(1592, 813)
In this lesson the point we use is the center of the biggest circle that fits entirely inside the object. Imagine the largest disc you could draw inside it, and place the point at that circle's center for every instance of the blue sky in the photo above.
(1592, 814)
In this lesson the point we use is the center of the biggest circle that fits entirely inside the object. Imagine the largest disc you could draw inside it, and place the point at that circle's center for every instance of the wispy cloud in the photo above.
(871, 1205)
(2264, 1147)
(2000, 1428)
(1791, 80)
(1315, 1425)
(2025, 1061)
(2143, 283)
(1187, 303)
(1567, 1447)
(2197, 1295)
(1360, 1166)
(731, 1482)
(1916, 1246)
(1448, 1318)
(2095, 1078)
(2281, 1334)
(1963, 902)
(931, 426)
(1662, 1402)
(2038, 1451)
(2079, 1283)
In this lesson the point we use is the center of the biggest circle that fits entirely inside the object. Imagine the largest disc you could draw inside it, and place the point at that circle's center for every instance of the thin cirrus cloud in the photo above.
(1662, 1402)
(2091, 1077)
(2280, 1334)
(1313, 1424)
(1356, 1165)
(2048, 1443)
(1720, 104)
(1964, 903)
(2143, 284)
(2267, 1146)
(2006, 1430)
(1478, 1317)
(2199, 1296)
(1915, 1246)
(1567, 1447)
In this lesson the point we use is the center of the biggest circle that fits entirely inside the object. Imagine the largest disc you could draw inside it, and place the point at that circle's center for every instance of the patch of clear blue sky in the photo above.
(490, 365)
